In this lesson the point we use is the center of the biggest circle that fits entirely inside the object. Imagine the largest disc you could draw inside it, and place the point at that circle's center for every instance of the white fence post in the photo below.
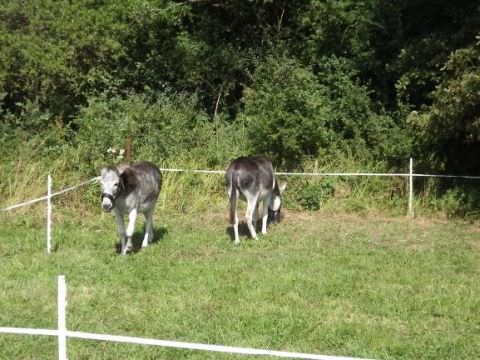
(49, 214)
(62, 328)
(410, 189)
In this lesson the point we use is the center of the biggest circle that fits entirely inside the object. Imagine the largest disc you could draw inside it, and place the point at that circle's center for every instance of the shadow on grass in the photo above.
(243, 230)
(158, 234)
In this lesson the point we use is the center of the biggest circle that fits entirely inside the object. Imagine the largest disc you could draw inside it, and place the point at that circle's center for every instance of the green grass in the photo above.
(352, 285)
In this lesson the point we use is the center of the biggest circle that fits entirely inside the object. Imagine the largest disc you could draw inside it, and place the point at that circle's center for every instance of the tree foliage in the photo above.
(292, 79)
(450, 127)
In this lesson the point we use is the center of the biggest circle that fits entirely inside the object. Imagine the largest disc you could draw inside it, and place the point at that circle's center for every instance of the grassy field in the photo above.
(352, 285)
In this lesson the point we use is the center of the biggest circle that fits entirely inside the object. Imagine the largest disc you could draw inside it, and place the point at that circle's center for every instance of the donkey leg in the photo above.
(121, 227)
(235, 228)
(255, 216)
(266, 204)
(251, 204)
(132, 217)
(232, 196)
(148, 228)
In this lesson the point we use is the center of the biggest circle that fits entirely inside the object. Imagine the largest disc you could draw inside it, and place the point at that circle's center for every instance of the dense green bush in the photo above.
(291, 113)
(54, 53)
(161, 128)
(450, 129)
(314, 194)
(459, 201)
(286, 112)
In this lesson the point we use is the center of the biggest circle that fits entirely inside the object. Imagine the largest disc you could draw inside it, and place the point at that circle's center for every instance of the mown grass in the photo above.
(354, 285)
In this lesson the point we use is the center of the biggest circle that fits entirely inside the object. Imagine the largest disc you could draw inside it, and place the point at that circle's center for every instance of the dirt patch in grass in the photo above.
(373, 229)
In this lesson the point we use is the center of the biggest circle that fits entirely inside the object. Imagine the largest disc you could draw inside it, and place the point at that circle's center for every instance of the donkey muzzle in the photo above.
(274, 216)
(107, 202)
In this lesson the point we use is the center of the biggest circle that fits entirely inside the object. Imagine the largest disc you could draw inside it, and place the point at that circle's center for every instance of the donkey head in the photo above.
(112, 184)
(276, 204)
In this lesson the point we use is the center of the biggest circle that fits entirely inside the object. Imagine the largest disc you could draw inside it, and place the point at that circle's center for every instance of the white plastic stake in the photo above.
(410, 189)
(49, 214)
(62, 328)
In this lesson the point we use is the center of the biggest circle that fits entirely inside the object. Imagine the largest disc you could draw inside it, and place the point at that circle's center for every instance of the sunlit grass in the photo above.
(321, 283)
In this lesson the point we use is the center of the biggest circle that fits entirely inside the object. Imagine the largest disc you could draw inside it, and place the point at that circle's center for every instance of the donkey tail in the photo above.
(232, 180)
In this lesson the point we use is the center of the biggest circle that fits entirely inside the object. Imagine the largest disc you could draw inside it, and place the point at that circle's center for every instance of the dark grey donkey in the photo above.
(253, 180)
(130, 189)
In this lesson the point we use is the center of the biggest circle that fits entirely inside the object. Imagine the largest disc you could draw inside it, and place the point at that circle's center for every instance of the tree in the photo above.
(451, 126)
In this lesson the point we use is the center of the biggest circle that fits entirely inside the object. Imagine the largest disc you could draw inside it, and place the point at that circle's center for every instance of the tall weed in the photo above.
(172, 132)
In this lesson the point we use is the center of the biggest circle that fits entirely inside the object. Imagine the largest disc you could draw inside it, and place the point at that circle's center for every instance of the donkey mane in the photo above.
(129, 179)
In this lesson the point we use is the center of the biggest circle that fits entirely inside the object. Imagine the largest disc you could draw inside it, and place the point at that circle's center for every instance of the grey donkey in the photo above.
(252, 179)
(131, 189)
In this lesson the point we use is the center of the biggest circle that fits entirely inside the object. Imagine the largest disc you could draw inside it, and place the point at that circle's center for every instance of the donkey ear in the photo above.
(103, 172)
(121, 168)
(281, 186)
